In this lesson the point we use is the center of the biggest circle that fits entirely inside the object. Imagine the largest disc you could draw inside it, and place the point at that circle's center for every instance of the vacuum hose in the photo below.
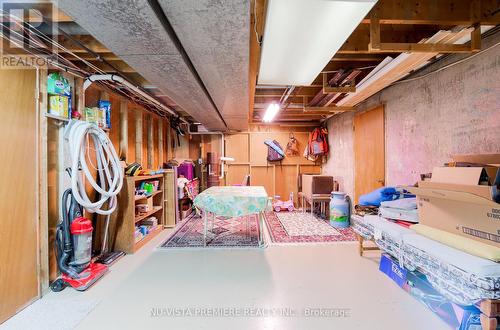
(108, 167)
(64, 245)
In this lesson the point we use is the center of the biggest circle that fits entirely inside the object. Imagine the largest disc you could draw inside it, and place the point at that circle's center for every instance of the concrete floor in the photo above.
(288, 279)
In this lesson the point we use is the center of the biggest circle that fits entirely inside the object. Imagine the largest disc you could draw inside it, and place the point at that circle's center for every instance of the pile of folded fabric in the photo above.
(387, 235)
(362, 210)
(403, 211)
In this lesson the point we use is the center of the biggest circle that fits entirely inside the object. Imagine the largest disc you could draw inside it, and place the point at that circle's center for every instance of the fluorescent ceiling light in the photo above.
(301, 37)
(271, 112)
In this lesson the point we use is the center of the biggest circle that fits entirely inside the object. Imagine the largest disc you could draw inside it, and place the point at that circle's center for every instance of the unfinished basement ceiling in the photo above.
(214, 35)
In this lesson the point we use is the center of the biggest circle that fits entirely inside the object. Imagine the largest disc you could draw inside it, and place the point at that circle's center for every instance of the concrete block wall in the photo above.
(453, 111)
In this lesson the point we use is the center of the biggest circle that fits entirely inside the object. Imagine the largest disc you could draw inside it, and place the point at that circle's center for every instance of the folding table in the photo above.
(232, 202)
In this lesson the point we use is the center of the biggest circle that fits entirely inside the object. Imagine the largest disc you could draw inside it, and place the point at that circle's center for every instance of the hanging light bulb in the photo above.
(271, 112)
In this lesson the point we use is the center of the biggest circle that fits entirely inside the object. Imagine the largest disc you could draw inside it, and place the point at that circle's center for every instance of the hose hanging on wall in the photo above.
(80, 135)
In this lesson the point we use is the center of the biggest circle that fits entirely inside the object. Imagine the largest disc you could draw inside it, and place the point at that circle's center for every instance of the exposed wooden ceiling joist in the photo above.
(39, 11)
(257, 16)
(357, 58)
(330, 109)
(449, 12)
(89, 41)
(376, 45)
(269, 99)
(277, 92)
(120, 65)
(358, 42)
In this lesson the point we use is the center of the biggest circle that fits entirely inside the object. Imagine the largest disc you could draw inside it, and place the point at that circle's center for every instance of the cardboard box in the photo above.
(460, 200)
(416, 284)
(317, 184)
(59, 106)
(391, 268)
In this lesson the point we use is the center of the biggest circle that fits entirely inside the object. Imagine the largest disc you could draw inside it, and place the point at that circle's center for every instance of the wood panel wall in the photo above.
(18, 197)
(250, 154)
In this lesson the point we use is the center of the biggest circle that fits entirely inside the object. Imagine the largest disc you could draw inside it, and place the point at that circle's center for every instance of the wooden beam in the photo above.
(424, 48)
(160, 142)
(296, 112)
(257, 21)
(123, 128)
(327, 89)
(475, 42)
(330, 109)
(150, 142)
(357, 58)
(288, 123)
(39, 11)
(43, 216)
(119, 65)
(374, 30)
(357, 43)
(445, 12)
(89, 41)
(376, 45)
(340, 89)
(105, 56)
(278, 92)
(138, 136)
(269, 99)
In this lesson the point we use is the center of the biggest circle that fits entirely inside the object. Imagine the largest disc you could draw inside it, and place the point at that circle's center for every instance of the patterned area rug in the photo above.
(298, 227)
(305, 224)
(234, 232)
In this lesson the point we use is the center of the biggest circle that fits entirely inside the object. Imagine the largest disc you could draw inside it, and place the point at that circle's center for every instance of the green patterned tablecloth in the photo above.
(232, 201)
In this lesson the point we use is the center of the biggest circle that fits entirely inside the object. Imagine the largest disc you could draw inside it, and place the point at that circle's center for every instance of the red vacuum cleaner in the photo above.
(74, 248)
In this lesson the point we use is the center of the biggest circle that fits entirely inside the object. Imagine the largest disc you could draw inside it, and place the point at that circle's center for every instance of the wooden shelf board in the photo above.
(146, 177)
(152, 234)
(141, 197)
(145, 215)
(56, 117)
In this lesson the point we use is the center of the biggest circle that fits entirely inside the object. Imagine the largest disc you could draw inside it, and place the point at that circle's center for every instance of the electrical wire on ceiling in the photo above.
(28, 33)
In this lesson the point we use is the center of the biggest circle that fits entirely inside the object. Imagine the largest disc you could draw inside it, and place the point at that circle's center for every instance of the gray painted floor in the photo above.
(280, 279)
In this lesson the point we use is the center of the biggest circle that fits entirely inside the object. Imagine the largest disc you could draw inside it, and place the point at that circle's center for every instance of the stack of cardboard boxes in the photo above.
(463, 200)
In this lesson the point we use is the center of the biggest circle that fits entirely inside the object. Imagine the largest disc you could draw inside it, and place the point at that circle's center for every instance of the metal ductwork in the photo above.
(196, 52)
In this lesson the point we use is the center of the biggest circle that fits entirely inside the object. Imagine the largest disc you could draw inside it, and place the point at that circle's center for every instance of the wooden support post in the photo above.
(138, 136)
(374, 31)
(103, 95)
(43, 216)
(160, 142)
(149, 121)
(79, 95)
(170, 152)
(123, 128)
(475, 41)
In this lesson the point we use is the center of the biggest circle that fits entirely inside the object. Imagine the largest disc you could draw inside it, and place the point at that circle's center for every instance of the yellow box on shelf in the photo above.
(59, 105)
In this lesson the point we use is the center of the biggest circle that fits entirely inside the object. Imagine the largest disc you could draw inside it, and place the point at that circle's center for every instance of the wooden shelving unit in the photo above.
(170, 206)
(128, 219)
